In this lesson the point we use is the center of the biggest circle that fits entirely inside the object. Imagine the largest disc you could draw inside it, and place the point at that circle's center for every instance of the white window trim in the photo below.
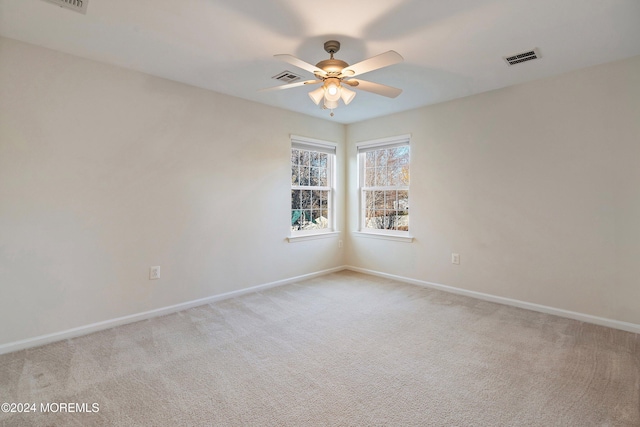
(363, 147)
(406, 238)
(312, 144)
(315, 236)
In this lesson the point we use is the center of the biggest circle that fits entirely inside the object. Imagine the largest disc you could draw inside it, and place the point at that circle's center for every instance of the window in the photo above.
(312, 186)
(384, 186)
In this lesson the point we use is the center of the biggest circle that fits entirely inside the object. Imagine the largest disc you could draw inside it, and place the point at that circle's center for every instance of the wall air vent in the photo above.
(518, 58)
(76, 5)
(287, 77)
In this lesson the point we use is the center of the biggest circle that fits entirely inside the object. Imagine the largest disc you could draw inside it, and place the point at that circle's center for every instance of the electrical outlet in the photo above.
(340, 244)
(455, 258)
(154, 272)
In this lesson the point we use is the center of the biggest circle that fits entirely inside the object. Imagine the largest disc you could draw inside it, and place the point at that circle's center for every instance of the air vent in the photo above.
(76, 5)
(287, 77)
(518, 58)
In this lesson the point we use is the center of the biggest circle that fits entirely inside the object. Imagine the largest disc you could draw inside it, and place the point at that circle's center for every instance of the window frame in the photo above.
(311, 144)
(372, 145)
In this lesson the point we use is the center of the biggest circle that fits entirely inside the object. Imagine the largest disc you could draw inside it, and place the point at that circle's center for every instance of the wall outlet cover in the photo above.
(154, 272)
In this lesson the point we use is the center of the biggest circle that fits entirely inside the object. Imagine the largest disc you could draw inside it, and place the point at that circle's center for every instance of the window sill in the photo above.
(305, 237)
(394, 237)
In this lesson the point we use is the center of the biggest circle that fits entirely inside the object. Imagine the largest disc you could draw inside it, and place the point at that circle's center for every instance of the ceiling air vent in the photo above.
(517, 58)
(287, 77)
(76, 5)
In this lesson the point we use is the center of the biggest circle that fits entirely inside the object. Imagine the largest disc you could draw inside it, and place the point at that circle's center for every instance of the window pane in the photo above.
(304, 175)
(324, 199)
(382, 179)
(305, 157)
(323, 180)
(295, 199)
(323, 160)
(315, 177)
(295, 175)
(369, 177)
(379, 219)
(390, 200)
(403, 222)
(319, 221)
(305, 199)
(403, 200)
(306, 218)
(324, 213)
(381, 157)
(394, 175)
(295, 154)
(370, 159)
(313, 156)
(315, 199)
(295, 219)
(404, 176)
(395, 219)
(368, 199)
(400, 155)
(378, 199)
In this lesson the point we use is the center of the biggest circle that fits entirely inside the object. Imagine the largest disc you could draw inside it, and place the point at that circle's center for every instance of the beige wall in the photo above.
(536, 186)
(105, 172)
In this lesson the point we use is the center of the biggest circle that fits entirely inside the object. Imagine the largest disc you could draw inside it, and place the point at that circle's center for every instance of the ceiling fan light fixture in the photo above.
(347, 95)
(317, 95)
(335, 74)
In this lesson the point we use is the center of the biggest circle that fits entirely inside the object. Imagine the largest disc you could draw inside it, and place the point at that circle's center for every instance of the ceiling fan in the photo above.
(335, 75)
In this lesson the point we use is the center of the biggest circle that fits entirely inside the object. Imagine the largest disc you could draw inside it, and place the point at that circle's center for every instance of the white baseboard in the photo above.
(587, 318)
(99, 326)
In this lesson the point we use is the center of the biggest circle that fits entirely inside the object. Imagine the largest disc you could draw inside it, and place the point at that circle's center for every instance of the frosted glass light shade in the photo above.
(317, 95)
(347, 95)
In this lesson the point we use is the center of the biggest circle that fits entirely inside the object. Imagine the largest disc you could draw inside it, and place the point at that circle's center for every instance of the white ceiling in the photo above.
(452, 48)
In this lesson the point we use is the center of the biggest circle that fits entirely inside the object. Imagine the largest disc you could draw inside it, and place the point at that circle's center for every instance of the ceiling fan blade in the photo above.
(301, 64)
(379, 61)
(377, 88)
(290, 85)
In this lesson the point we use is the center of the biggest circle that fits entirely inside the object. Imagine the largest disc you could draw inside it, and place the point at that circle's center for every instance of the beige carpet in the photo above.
(342, 350)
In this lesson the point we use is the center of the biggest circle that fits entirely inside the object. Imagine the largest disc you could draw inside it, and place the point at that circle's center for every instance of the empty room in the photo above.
(281, 213)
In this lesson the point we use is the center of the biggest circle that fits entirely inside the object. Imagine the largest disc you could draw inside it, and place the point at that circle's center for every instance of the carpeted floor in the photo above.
(342, 350)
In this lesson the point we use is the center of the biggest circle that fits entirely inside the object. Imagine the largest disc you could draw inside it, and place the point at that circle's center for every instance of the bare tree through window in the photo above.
(385, 187)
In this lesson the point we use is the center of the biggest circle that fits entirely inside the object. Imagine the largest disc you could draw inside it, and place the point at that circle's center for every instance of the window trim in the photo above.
(311, 144)
(362, 148)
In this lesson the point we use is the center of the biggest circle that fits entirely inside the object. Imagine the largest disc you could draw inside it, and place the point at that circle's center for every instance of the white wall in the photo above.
(105, 172)
(536, 186)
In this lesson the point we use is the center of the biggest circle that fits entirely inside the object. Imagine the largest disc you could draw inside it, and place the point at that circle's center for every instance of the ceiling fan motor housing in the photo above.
(332, 46)
(332, 66)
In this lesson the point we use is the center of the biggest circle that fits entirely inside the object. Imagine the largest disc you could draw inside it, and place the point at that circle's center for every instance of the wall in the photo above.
(105, 172)
(536, 186)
